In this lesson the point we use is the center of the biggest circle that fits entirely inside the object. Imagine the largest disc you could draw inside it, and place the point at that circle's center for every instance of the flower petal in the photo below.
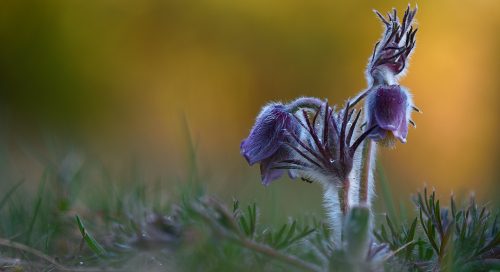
(378, 134)
(390, 107)
(402, 131)
(267, 133)
(267, 172)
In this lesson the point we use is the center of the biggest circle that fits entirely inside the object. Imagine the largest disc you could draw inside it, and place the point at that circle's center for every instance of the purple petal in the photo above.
(267, 134)
(402, 131)
(268, 175)
(267, 172)
(390, 107)
(378, 134)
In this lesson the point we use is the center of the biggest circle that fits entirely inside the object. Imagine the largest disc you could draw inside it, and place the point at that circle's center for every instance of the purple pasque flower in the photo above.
(389, 107)
(265, 144)
(266, 134)
(322, 149)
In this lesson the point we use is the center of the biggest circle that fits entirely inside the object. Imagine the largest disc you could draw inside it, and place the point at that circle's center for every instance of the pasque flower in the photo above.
(306, 137)
(265, 144)
(388, 105)
(312, 142)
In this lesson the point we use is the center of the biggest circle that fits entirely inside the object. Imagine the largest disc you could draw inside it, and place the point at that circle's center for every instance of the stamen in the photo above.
(413, 123)
(307, 180)
(416, 109)
(342, 132)
(381, 17)
(314, 135)
(360, 97)
(375, 50)
(303, 155)
(393, 48)
(287, 167)
(360, 139)
(385, 60)
(325, 126)
(334, 124)
(351, 130)
(305, 146)
(294, 162)
(315, 117)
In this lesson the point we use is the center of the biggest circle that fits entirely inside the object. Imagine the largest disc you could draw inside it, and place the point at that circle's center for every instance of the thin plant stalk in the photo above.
(333, 207)
(344, 197)
(367, 180)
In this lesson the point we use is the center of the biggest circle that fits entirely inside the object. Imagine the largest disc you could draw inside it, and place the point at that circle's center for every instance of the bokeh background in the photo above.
(157, 81)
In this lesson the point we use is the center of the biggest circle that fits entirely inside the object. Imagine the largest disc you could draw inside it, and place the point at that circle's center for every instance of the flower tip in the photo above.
(270, 176)
(388, 127)
(242, 148)
(244, 153)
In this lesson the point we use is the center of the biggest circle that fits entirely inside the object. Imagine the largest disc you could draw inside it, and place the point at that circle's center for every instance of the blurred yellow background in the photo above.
(122, 77)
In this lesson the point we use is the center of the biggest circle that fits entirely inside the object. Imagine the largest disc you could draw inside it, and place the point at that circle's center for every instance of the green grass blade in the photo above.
(9, 193)
(33, 220)
(89, 239)
(36, 210)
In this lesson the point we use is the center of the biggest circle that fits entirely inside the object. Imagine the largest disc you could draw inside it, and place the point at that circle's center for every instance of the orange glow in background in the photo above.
(120, 77)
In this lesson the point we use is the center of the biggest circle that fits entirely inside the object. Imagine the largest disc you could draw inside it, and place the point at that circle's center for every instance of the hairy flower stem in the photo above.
(367, 181)
(305, 102)
(344, 197)
(336, 203)
(331, 202)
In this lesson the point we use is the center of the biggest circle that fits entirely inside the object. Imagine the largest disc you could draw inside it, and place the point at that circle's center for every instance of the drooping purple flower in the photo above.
(266, 142)
(267, 171)
(266, 135)
(389, 108)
